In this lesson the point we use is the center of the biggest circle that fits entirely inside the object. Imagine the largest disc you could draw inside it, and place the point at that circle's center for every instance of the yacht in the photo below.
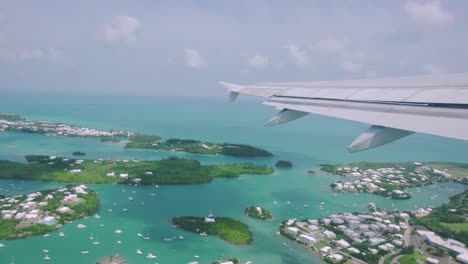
(139, 252)
(45, 251)
(150, 256)
(2, 245)
(118, 231)
(181, 238)
(97, 216)
(130, 198)
(61, 234)
(119, 242)
(84, 252)
(46, 257)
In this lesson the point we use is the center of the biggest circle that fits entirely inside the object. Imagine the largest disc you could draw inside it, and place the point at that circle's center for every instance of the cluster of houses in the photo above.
(333, 237)
(29, 209)
(57, 129)
(389, 182)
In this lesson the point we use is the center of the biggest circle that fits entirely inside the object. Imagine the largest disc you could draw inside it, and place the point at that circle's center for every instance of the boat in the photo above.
(203, 234)
(91, 236)
(146, 237)
(46, 235)
(139, 252)
(140, 235)
(61, 234)
(288, 202)
(181, 238)
(97, 216)
(150, 256)
(168, 239)
(2, 245)
(152, 194)
(130, 198)
(119, 242)
(124, 210)
(46, 257)
(196, 256)
(84, 252)
(45, 251)
(118, 231)
(110, 210)
(81, 226)
(96, 243)
(275, 202)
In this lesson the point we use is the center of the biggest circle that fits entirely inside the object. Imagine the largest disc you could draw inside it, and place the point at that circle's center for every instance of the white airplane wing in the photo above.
(395, 107)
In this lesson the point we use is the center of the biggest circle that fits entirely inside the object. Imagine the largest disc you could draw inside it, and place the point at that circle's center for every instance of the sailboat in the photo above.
(46, 257)
(147, 236)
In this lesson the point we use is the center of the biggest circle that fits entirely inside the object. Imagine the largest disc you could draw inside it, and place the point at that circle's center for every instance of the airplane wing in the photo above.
(395, 107)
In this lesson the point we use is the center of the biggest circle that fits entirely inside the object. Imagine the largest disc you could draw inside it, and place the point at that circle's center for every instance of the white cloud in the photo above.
(299, 56)
(428, 14)
(193, 59)
(351, 67)
(258, 61)
(331, 45)
(123, 28)
(434, 69)
(51, 55)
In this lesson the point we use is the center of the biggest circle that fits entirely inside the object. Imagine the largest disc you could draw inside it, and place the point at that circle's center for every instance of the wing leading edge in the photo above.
(395, 107)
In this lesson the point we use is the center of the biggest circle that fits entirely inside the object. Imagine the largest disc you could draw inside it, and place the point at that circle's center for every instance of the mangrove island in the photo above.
(258, 212)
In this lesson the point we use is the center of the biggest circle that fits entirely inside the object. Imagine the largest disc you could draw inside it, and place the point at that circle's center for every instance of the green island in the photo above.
(172, 170)
(258, 212)
(194, 146)
(228, 229)
(41, 212)
(392, 179)
(78, 153)
(283, 164)
(227, 261)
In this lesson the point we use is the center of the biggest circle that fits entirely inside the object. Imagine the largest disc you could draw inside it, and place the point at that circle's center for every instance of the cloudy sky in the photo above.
(154, 47)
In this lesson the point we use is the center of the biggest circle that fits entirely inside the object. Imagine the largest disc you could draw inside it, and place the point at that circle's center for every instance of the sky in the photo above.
(173, 48)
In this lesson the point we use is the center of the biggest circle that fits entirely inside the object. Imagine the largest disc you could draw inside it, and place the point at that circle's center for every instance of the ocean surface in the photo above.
(306, 142)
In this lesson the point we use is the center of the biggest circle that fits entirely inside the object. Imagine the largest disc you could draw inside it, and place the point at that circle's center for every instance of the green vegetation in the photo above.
(168, 171)
(449, 220)
(412, 259)
(228, 229)
(283, 164)
(112, 139)
(139, 141)
(258, 212)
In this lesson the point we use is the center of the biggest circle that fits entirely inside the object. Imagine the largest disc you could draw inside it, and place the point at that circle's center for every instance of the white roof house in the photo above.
(325, 250)
(293, 230)
(342, 243)
(306, 239)
(463, 258)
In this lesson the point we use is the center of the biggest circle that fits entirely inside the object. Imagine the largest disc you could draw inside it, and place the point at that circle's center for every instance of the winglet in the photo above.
(233, 90)
(376, 136)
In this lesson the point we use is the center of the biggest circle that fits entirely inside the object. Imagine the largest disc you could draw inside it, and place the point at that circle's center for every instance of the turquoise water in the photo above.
(307, 142)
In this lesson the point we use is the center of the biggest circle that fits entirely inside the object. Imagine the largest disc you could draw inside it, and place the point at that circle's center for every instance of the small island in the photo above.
(115, 259)
(258, 212)
(38, 213)
(171, 170)
(392, 179)
(78, 153)
(195, 147)
(283, 164)
(228, 229)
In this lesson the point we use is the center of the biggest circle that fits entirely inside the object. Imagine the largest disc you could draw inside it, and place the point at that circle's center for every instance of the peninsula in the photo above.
(18, 124)
(228, 229)
(392, 179)
(379, 236)
(167, 171)
(258, 212)
(195, 147)
(38, 213)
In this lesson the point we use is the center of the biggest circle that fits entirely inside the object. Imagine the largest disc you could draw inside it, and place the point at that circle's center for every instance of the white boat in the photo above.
(91, 236)
(46, 257)
(119, 242)
(288, 202)
(168, 239)
(152, 194)
(140, 235)
(196, 256)
(81, 226)
(139, 252)
(84, 252)
(61, 234)
(130, 198)
(97, 216)
(110, 210)
(275, 202)
(203, 234)
(181, 238)
(150, 256)
(124, 210)
(45, 251)
(2, 245)
(96, 243)
(46, 235)
(118, 231)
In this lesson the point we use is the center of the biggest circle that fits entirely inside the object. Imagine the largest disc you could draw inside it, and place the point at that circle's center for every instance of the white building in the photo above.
(306, 239)
(342, 243)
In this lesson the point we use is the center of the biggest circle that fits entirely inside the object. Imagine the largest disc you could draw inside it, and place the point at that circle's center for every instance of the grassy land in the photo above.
(228, 229)
(194, 146)
(456, 228)
(167, 171)
(412, 259)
